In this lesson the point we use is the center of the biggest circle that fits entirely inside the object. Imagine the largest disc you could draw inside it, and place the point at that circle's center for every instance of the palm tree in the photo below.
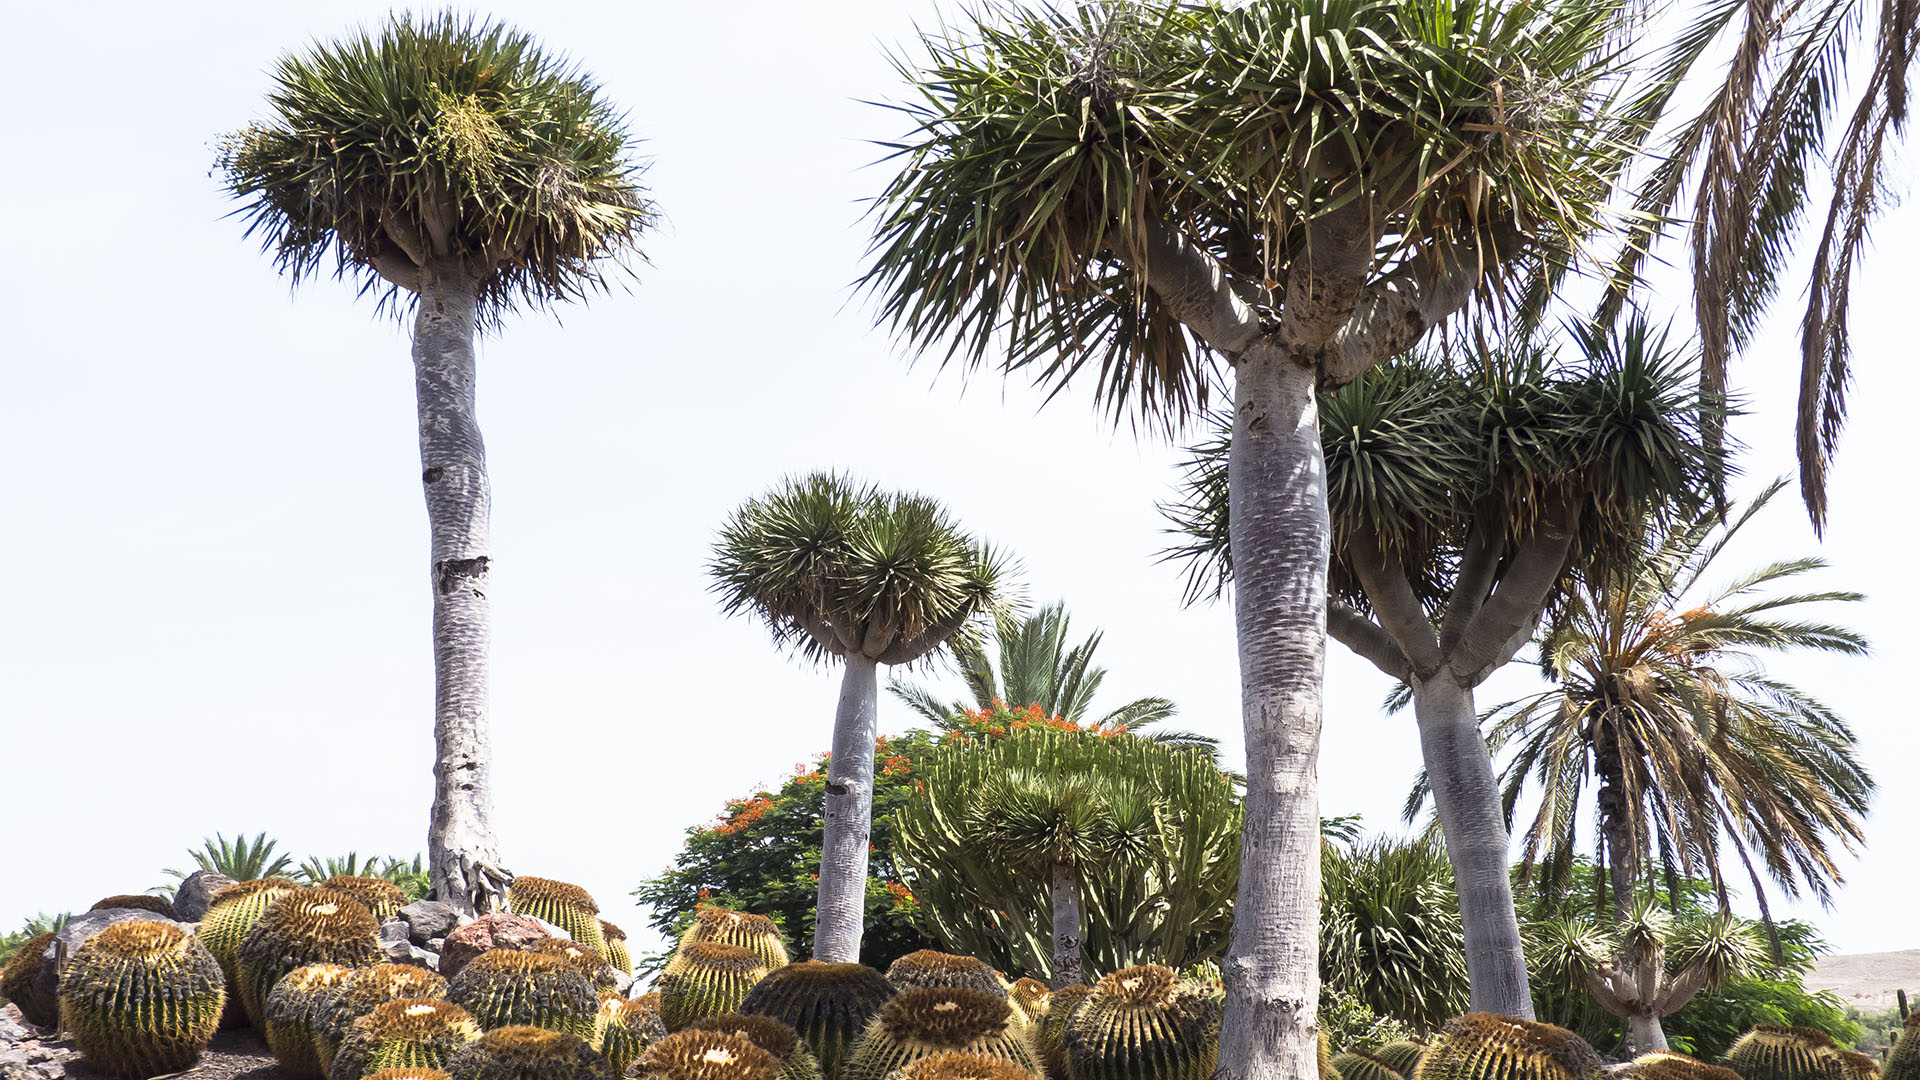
(455, 165)
(854, 574)
(240, 859)
(1122, 194)
(1462, 491)
(1664, 724)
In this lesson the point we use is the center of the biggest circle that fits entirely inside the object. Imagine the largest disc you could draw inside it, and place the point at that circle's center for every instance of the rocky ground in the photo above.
(29, 1053)
(1869, 981)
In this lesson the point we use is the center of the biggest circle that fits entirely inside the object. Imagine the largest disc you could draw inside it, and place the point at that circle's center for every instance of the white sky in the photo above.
(213, 609)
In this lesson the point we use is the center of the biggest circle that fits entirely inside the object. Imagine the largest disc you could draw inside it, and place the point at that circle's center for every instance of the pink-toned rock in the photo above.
(517, 932)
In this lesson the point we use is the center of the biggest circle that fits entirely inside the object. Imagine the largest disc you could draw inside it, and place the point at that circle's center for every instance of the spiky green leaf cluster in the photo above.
(1390, 931)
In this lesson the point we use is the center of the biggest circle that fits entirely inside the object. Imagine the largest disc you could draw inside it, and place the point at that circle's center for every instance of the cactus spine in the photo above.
(829, 1005)
(617, 952)
(411, 1033)
(1360, 1065)
(773, 1036)
(627, 1029)
(707, 978)
(1030, 998)
(229, 918)
(16, 980)
(756, 933)
(382, 897)
(503, 988)
(706, 1055)
(1667, 1065)
(957, 1065)
(566, 906)
(1402, 1056)
(312, 926)
(410, 1074)
(938, 970)
(1143, 1023)
(142, 998)
(1050, 1035)
(528, 1053)
(585, 960)
(924, 1021)
(1483, 1046)
(335, 1010)
(1772, 1052)
(289, 1015)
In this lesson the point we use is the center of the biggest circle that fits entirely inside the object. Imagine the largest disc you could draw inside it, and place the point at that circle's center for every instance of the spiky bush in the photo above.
(925, 1021)
(567, 906)
(707, 978)
(289, 1015)
(528, 1053)
(1483, 1046)
(16, 980)
(334, 1011)
(382, 897)
(775, 1037)
(929, 968)
(706, 1055)
(617, 952)
(159, 905)
(1903, 1061)
(756, 933)
(1143, 1023)
(627, 1028)
(311, 926)
(141, 998)
(829, 1005)
(414, 1033)
(504, 988)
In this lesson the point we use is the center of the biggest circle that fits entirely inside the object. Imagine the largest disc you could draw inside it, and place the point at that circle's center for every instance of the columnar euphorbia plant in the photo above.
(850, 573)
(453, 164)
(1157, 197)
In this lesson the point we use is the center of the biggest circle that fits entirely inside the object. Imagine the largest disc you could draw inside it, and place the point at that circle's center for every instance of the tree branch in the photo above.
(1197, 290)
(1327, 278)
(1395, 605)
(1366, 638)
(905, 651)
(1396, 311)
(1479, 560)
(1535, 569)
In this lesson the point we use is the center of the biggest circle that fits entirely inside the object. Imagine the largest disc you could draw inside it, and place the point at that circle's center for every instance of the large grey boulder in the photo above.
(195, 894)
(46, 985)
(430, 919)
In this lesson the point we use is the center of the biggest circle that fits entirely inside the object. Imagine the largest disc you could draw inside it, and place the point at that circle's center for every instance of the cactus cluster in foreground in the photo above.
(503, 988)
(142, 998)
(925, 1021)
(1142, 1023)
(829, 1005)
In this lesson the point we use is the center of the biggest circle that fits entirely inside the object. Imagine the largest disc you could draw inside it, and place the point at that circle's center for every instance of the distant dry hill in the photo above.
(1867, 981)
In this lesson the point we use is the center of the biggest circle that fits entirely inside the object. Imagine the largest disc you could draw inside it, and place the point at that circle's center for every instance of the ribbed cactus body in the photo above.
(335, 1010)
(141, 999)
(412, 1033)
(706, 1055)
(528, 1053)
(289, 1015)
(773, 1036)
(627, 1028)
(938, 970)
(1402, 1056)
(706, 978)
(1903, 1061)
(410, 1074)
(755, 933)
(1050, 1035)
(829, 1005)
(503, 988)
(1771, 1052)
(1667, 1065)
(963, 1066)
(229, 918)
(1143, 1023)
(585, 960)
(312, 926)
(566, 906)
(1361, 1065)
(925, 1021)
(1483, 1046)
(617, 952)
(16, 980)
(1030, 998)
(382, 897)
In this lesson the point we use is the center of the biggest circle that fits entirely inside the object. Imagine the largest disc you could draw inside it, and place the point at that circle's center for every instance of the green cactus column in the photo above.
(141, 999)
(290, 1015)
(829, 1005)
(705, 1055)
(1483, 1046)
(707, 978)
(503, 988)
(528, 1053)
(1143, 1023)
(924, 1021)
(312, 926)
(412, 1033)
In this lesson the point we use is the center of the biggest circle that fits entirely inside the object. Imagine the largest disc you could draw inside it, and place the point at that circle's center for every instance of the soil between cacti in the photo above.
(233, 1055)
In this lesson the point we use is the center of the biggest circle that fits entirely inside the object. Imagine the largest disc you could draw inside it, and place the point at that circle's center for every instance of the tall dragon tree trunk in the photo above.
(1066, 926)
(1468, 801)
(464, 856)
(1279, 535)
(840, 914)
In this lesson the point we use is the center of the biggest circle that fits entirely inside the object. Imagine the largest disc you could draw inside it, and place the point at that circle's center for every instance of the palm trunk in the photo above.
(1279, 537)
(466, 870)
(840, 914)
(1066, 926)
(1468, 801)
(1615, 830)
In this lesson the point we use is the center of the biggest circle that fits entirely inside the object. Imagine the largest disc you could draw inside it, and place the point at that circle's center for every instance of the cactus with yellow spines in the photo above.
(1773, 1052)
(1143, 1023)
(706, 1055)
(707, 978)
(590, 963)
(1361, 1065)
(503, 988)
(1326, 1068)
(1402, 1056)
(290, 1015)
(381, 896)
(1668, 1065)
(757, 933)
(627, 1028)
(925, 1021)
(1050, 1035)
(410, 1074)
(830, 1005)
(774, 1036)
(930, 968)
(1485, 1046)
(1858, 1066)
(617, 952)
(411, 1033)
(524, 1052)
(141, 998)
(229, 918)
(16, 980)
(1903, 1059)
(963, 1066)
(311, 926)
(1030, 998)
(567, 906)
(136, 902)
(335, 1010)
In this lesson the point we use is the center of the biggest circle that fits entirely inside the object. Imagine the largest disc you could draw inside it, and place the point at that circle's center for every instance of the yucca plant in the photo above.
(1390, 933)
(841, 571)
(453, 165)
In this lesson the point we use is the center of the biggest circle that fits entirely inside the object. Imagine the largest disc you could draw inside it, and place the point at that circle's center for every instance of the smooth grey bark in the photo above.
(463, 855)
(1066, 926)
(1645, 1035)
(840, 913)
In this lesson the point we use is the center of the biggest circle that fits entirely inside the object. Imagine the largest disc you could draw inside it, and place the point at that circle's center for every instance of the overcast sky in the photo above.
(213, 601)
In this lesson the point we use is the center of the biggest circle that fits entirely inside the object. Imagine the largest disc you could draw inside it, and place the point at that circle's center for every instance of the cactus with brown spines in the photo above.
(1143, 1023)
(925, 1021)
(1050, 1035)
(141, 998)
(1668, 1065)
(229, 918)
(627, 1028)
(590, 963)
(930, 968)
(381, 896)
(335, 1010)
(707, 978)
(1361, 1065)
(523, 1052)
(776, 1037)
(617, 952)
(1030, 998)
(311, 926)
(1402, 1056)
(566, 906)
(1326, 1068)
(1858, 1066)
(959, 1065)
(757, 933)
(830, 1005)
(16, 980)
(505, 988)
(1485, 1046)
(1903, 1059)
(1773, 1052)
(706, 1055)
(413, 1033)
(159, 905)
(290, 1015)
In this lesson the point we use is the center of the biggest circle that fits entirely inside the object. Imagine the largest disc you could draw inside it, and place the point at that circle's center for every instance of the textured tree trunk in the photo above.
(840, 914)
(1279, 538)
(1645, 1035)
(1615, 829)
(1066, 926)
(1468, 801)
(464, 857)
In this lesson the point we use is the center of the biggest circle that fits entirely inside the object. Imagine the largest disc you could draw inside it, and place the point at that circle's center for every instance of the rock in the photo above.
(429, 919)
(394, 941)
(46, 985)
(622, 982)
(488, 932)
(13, 1026)
(190, 900)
